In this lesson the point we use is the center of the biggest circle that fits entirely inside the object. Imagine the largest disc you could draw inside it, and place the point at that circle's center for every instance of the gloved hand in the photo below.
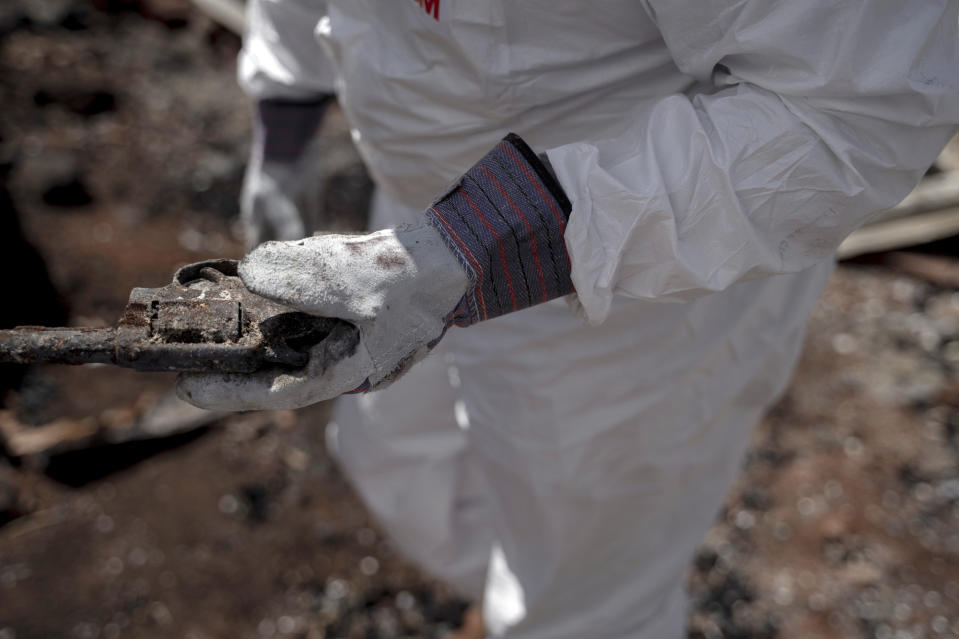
(396, 287)
(274, 178)
(268, 207)
(492, 245)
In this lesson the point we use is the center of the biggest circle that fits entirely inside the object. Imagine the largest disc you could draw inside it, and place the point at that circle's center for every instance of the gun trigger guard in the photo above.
(199, 270)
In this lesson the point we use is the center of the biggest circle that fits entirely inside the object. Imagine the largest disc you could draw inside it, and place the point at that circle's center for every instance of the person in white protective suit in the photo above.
(607, 321)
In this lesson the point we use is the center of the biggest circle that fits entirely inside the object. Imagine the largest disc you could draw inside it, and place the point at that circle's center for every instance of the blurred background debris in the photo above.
(123, 513)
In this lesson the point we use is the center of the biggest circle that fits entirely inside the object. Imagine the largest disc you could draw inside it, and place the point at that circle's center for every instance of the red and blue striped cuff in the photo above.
(282, 128)
(504, 220)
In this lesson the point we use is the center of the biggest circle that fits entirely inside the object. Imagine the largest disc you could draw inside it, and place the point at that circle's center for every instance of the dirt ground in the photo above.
(127, 139)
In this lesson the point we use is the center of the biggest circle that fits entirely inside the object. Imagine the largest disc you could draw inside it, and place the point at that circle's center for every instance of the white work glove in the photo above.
(268, 206)
(396, 287)
(275, 176)
(492, 245)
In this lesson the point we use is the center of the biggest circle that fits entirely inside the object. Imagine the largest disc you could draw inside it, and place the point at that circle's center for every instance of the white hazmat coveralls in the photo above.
(716, 152)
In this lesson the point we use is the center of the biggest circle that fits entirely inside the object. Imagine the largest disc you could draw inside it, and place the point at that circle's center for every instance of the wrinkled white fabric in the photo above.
(394, 288)
(715, 152)
(816, 121)
(281, 58)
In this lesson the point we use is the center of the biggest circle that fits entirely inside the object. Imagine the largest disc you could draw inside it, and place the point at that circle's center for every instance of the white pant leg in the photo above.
(404, 453)
(592, 460)
(402, 450)
(607, 451)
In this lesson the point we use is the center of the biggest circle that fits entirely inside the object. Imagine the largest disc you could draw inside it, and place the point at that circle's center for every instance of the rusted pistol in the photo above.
(206, 320)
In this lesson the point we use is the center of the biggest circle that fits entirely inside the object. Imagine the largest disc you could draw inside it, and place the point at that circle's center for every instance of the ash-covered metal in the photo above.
(206, 320)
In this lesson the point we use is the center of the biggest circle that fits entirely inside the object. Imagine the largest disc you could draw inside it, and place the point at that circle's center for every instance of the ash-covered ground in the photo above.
(124, 139)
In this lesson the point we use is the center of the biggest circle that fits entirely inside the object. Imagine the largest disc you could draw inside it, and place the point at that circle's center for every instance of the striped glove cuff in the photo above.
(504, 221)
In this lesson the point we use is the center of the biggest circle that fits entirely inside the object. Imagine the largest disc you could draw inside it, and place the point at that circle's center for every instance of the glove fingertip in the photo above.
(263, 269)
(202, 392)
(184, 388)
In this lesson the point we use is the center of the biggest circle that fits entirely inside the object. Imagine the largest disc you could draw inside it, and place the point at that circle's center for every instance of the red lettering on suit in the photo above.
(432, 7)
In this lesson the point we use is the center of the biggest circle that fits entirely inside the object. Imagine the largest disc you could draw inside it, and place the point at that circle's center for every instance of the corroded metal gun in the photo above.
(206, 320)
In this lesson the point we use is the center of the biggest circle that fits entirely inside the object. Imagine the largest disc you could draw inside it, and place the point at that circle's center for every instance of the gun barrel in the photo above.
(40, 345)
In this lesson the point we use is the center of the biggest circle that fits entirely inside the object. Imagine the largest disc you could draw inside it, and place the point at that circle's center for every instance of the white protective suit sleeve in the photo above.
(820, 114)
(281, 58)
